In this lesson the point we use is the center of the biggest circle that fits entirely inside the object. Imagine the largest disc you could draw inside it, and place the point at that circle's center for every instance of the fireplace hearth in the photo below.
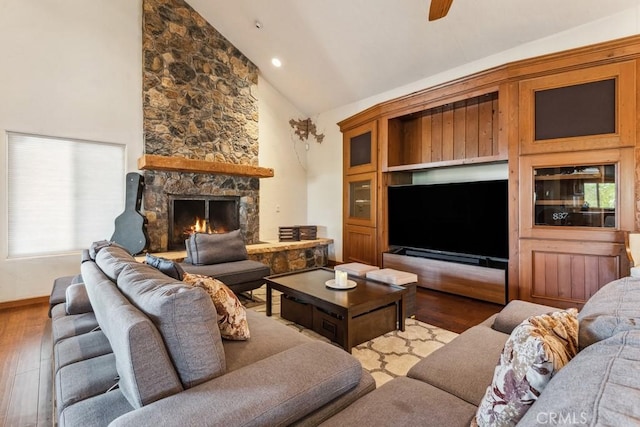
(206, 214)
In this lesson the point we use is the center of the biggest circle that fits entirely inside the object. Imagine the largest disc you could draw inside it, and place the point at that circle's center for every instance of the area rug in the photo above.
(385, 357)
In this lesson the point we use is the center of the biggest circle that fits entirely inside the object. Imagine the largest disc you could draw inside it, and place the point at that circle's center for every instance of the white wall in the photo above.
(283, 198)
(70, 68)
(324, 178)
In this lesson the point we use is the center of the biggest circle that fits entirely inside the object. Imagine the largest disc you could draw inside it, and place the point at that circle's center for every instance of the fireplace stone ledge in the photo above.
(282, 257)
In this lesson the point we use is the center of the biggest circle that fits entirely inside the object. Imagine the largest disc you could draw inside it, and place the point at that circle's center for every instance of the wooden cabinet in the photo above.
(360, 149)
(565, 273)
(566, 124)
(360, 194)
(585, 109)
(571, 221)
(577, 181)
(360, 244)
(360, 201)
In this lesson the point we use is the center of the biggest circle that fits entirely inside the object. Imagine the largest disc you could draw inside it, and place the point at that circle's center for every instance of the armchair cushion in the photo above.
(204, 249)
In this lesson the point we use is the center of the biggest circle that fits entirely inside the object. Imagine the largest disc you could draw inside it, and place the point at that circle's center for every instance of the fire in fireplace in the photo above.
(205, 214)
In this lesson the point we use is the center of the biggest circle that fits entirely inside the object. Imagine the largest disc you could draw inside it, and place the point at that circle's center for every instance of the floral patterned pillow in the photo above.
(535, 351)
(232, 316)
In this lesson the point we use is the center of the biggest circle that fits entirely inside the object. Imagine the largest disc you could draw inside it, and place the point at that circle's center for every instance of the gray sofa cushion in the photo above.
(185, 317)
(275, 391)
(614, 308)
(71, 325)
(145, 371)
(85, 379)
(80, 347)
(599, 387)
(77, 299)
(96, 247)
(231, 273)
(516, 312)
(112, 260)
(98, 410)
(205, 249)
(267, 338)
(464, 367)
(405, 402)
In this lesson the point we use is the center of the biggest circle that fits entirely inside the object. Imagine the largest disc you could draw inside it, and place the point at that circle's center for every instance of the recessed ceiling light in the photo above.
(276, 62)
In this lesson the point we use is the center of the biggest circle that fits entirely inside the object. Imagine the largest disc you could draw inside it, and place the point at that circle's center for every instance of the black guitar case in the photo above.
(131, 225)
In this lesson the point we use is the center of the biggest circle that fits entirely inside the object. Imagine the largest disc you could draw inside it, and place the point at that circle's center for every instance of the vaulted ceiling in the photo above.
(335, 52)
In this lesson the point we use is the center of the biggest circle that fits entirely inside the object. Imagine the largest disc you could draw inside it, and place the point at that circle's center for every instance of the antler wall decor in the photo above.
(305, 127)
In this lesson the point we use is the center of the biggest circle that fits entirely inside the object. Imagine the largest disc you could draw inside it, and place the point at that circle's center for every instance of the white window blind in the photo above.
(63, 194)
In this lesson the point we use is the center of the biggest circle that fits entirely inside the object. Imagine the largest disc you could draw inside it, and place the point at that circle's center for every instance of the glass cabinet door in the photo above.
(360, 199)
(575, 196)
(360, 149)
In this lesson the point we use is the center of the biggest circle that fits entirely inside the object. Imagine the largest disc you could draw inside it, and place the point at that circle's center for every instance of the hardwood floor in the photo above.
(25, 358)
(25, 380)
(452, 312)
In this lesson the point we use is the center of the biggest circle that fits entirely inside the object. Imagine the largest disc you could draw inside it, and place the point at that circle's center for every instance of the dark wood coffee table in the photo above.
(347, 317)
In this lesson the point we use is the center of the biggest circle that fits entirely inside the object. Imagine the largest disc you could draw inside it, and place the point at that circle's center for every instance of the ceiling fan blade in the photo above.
(439, 9)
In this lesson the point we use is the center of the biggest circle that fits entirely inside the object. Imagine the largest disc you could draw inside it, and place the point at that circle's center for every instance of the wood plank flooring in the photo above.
(25, 358)
(25, 380)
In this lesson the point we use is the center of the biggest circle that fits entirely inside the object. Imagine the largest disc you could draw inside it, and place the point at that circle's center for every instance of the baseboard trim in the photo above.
(23, 302)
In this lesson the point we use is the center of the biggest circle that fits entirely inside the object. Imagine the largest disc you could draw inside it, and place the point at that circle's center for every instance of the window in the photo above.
(63, 194)
(600, 195)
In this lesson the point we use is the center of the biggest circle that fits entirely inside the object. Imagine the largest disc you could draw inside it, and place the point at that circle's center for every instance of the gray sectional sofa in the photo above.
(600, 386)
(134, 347)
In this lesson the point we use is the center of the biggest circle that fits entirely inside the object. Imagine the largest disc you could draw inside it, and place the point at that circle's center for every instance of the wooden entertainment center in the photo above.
(566, 127)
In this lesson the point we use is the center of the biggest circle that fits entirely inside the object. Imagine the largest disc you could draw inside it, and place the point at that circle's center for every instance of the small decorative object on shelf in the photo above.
(308, 232)
(288, 234)
(297, 232)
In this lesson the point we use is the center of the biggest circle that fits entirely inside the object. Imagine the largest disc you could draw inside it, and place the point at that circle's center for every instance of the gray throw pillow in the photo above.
(207, 249)
(168, 267)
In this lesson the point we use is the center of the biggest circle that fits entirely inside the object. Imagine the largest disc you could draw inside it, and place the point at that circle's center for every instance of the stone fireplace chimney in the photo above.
(199, 103)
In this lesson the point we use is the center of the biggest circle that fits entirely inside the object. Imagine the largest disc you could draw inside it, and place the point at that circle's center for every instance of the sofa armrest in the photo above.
(277, 390)
(516, 312)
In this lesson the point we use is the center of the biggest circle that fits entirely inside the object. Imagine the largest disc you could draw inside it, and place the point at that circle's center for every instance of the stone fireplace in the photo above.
(204, 214)
(199, 103)
(164, 188)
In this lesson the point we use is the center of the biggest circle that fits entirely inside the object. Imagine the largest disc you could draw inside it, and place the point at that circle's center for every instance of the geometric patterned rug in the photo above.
(385, 357)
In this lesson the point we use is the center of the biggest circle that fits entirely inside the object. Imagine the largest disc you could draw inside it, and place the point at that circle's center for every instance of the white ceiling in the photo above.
(335, 52)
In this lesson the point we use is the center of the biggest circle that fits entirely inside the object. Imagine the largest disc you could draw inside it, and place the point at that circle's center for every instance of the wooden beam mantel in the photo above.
(181, 164)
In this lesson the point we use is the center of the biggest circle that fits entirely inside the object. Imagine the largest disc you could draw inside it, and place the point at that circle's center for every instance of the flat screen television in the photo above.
(468, 219)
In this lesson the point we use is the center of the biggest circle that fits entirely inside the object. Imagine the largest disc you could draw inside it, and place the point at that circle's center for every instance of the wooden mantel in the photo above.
(181, 164)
